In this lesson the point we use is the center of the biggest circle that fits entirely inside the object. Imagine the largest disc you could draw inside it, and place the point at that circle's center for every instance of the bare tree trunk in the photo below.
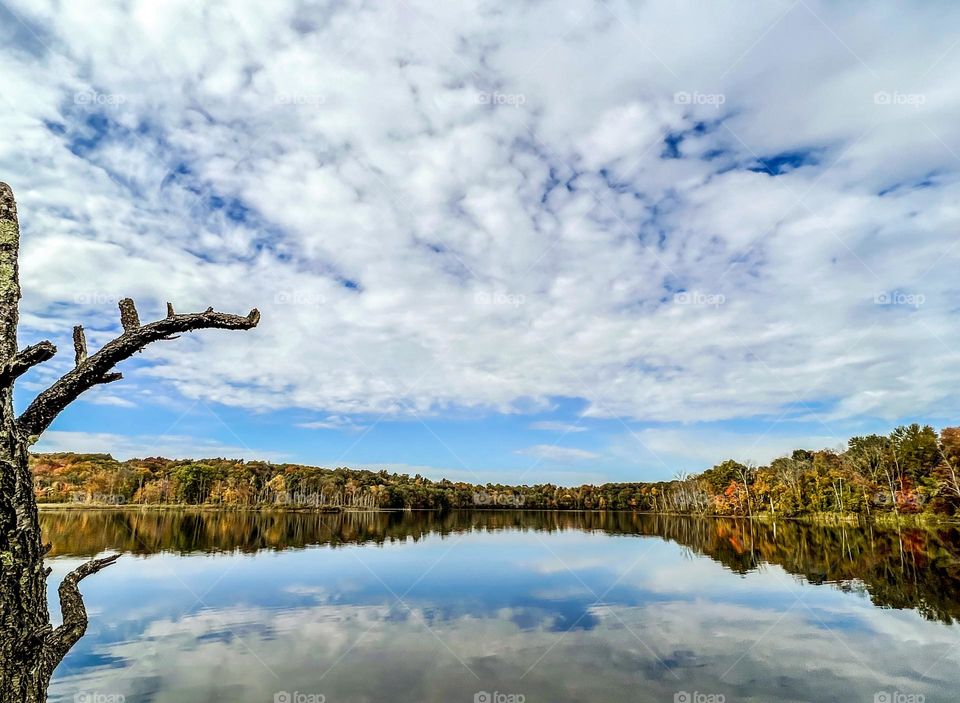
(744, 477)
(25, 667)
(30, 647)
(953, 483)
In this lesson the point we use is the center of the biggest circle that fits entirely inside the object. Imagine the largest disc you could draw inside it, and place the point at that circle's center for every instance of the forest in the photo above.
(913, 470)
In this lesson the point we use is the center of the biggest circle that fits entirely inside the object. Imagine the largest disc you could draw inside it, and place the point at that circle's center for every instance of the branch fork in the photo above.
(97, 369)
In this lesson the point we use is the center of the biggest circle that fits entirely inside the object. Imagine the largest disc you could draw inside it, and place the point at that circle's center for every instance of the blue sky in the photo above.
(548, 241)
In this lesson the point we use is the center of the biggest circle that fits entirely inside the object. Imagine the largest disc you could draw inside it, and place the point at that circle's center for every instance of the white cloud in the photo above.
(549, 426)
(694, 449)
(111, 400)
(140, 446)
(555, 453)
(333, 422)
(439, 207)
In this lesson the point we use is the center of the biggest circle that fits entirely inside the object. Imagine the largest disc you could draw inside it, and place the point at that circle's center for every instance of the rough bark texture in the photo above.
(30, 647)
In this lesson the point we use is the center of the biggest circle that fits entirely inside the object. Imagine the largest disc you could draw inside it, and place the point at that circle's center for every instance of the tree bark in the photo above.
(24, 617)
(30, 647)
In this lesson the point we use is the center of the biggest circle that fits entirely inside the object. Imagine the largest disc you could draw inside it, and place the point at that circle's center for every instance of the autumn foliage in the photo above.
(912, 470)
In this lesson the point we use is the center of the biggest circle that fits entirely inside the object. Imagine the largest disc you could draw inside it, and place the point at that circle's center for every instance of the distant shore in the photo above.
(191, 506)
(911, 476)
(824, 519)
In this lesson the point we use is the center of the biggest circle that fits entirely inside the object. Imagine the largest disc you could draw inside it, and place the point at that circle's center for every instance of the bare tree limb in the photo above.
(72, 608)
(97, 369)
(8, 204)
(25, 360)
(79, 344)
(129, 319)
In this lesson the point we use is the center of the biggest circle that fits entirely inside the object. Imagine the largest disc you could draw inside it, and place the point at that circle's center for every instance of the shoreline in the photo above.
(821, 519)
(160, 507)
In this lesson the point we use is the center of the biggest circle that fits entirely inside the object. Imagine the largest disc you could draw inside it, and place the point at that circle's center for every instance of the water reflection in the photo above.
(556, 606)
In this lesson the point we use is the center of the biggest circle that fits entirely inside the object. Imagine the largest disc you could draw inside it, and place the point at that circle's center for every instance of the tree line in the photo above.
(912, 470)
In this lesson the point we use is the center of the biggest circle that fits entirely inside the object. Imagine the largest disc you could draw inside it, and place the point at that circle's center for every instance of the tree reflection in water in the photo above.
(907, 568)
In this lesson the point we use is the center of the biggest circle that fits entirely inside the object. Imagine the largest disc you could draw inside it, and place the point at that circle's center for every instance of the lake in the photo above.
(506, 607)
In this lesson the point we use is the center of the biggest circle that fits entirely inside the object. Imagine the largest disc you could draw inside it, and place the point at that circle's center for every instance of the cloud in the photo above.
(675, 214)
(554, 453)
(565, 427)
(333, 422)
(694, 449)
(139, 446)
(108, 399)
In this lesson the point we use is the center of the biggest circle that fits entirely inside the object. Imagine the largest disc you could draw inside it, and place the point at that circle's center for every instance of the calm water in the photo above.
(507, 607)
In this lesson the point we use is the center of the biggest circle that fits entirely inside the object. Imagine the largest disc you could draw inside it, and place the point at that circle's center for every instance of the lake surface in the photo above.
(504, 607)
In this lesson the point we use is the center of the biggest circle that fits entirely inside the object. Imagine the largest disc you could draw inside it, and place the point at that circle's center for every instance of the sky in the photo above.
(493, 241)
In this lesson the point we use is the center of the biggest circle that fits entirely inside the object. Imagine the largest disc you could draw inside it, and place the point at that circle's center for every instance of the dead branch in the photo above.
(129, 319)
(25, 360)
(72, 608)
(79, 344)
(97, 369)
